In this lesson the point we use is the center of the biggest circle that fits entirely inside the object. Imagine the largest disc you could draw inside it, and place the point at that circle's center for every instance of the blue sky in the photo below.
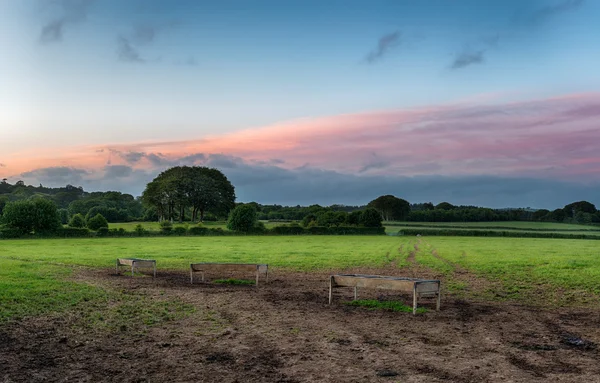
(83, 76)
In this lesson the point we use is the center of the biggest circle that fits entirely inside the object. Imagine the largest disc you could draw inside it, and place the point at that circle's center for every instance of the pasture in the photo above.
(520, 309)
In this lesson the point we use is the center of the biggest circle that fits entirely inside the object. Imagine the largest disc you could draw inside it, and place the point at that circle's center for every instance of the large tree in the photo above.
(200, 188)
(391, 208)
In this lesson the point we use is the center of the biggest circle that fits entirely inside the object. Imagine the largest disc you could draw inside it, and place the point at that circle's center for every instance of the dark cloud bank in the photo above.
(271, 184)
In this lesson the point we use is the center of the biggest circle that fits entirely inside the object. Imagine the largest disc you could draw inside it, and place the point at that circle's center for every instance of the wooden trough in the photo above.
(229, 267)
(135, 263)
(419, 287)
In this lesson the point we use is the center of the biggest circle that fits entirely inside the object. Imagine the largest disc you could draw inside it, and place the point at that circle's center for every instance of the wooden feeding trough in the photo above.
(419, 287)
(135, 263)
(229, 267)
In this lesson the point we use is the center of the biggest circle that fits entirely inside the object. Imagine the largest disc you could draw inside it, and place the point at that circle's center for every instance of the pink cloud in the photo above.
(558, 137)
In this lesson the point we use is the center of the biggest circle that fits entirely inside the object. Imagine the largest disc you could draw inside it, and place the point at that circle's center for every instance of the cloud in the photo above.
(307, 185)
(143, 34)
(385, 44)
(127, 52)
(556, 9)
(117, 171)
(69, 12)
(467, 58)
(61, 175)
(553, 139)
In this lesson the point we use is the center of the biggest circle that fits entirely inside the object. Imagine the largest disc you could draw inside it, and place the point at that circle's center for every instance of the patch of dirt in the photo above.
(285, 331)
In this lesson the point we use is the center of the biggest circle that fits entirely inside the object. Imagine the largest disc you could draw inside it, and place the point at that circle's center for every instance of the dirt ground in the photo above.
(285, 331)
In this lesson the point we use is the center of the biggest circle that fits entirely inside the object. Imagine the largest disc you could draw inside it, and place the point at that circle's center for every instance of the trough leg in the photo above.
(191, 275)
(439, 299)
(203, 276)
(267, 274)
(132, 266)
(355, 293)
(154, 270)
(330, 289)
(117, 266)
(257, 277)
(415, 299)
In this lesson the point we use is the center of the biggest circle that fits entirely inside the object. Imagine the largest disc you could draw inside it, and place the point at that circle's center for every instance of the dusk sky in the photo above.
(493, 103)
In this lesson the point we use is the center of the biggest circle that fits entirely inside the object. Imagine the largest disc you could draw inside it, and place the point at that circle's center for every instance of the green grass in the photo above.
(522, 265)
(373, 304)
(516, 225)
(34, 274)
(298, 252)
(233, 281)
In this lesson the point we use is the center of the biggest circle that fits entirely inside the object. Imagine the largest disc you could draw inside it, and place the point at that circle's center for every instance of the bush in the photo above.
(139, 229)
(38, 215)
(166, 227)
(179, 230)
(77, 221)
(73, 232)
(64, 216)
(242, 218)
(10, 232)
(97, 222)
(198, 230)
(102, 232)
(288, 230)
(370, 218)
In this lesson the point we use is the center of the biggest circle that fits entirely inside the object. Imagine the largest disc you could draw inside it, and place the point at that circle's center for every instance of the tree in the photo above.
(77, 221)
(47, 218)
(242, 218)
(391, 208)
(370, 217)
(97, 222)
(64, 216)
(200, 188)
(579, 207)
(19, 215)
(38, 215)
(444, 206)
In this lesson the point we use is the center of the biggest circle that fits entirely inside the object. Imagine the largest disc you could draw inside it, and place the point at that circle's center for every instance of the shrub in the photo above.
(179, 230)
(64, 216)
(102, 232)
(73, 232)
(242, 219)
(370, 218)
(97, 222)
(166, 227)
(139, 229)
(77, 221)
(38, 215)
(198, 230)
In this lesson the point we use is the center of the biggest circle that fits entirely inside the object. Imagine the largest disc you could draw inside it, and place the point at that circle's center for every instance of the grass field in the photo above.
(524, 266)
(516, 225)
(34, 273)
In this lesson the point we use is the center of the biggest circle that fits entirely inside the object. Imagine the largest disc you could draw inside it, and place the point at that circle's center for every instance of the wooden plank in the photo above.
(130, 261)
(417, 286)
(224, 267)
(373, 283)
(145, 263)
(427, 287)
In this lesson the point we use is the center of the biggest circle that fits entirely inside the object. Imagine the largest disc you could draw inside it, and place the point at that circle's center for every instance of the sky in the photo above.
(493, 103)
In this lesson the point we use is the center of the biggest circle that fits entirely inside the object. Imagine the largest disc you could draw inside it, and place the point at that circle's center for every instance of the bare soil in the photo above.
(285, 331)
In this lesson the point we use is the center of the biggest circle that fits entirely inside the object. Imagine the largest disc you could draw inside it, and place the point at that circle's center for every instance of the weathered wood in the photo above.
(418, 287)
(135, 263)
(229, 267)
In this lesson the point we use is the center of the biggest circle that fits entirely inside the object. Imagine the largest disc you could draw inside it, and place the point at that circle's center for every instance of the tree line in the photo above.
(196, 194)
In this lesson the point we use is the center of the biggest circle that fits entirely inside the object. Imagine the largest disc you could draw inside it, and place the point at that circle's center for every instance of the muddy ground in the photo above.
(285, 331)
